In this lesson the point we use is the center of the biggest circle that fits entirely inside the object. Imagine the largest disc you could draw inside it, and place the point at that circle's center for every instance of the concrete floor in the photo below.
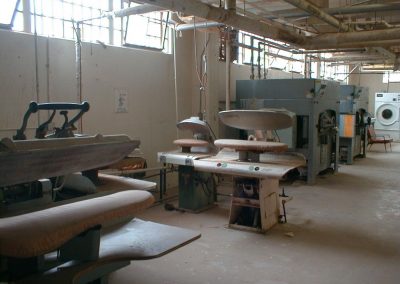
(346, 230)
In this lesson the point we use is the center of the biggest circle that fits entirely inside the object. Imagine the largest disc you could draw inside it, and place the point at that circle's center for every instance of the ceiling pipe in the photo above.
(349, 59)
(229, 18)
(371, 8)
(137, 10)
(328, 50)
(201, 25)
(378, 67)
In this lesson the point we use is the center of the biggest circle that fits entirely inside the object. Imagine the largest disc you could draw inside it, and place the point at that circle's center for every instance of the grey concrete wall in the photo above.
(148, 78)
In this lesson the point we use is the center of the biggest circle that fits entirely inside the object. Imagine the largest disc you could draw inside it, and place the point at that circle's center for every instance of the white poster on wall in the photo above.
(121, 101)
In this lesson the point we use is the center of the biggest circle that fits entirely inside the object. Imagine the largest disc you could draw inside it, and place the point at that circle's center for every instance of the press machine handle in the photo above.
(35, 107)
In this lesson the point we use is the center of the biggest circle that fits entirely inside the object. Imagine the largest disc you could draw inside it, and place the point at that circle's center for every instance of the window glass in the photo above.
(57, 18)
(8, 12)
(391, 77)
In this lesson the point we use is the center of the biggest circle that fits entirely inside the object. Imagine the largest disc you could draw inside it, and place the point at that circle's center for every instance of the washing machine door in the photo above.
(387, 114)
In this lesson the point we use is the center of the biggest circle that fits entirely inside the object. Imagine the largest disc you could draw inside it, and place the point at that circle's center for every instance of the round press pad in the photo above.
(190, 143)
(187, 144)
(254, 146)
(263, 119)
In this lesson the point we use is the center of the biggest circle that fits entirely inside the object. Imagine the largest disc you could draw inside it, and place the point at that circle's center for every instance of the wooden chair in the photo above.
(378, 139)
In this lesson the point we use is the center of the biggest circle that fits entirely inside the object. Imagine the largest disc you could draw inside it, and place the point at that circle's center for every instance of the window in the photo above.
(391, 77)
(271, 53)
(147, 30)
(8, 13)
(57, 18)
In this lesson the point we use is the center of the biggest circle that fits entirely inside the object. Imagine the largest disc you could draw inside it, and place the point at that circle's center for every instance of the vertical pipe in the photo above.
(307, 73)
(78, 63)
(175, 85)
(228, 69)
(230, 5)
(36, 60)
(259, 61)
(265, 69)
(48, 73)
(252, 58)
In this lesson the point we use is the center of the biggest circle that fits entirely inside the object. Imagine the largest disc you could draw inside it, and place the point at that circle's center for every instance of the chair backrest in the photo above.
(371, 132)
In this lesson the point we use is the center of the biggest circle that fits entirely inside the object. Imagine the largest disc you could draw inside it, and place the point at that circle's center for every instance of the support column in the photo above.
(26, 8)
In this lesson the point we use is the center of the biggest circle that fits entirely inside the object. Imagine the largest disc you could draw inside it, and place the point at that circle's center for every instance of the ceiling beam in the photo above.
(319, 13)
(354, 39)
(350, 39)
(358, 9)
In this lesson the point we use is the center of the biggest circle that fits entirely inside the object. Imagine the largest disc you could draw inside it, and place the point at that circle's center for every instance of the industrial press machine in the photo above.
(196, 189)
(354, 119)
(316, 105)
(257, 166)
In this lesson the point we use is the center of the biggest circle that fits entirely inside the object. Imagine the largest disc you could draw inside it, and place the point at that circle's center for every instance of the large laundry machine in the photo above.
(387, 114)
(316, 105)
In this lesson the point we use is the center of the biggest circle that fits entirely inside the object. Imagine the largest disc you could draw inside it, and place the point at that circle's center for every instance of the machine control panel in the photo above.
(240, 168)
(387, 97)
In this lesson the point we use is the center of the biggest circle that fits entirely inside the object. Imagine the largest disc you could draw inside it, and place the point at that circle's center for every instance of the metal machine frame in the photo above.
(316, 105)
(354, 119)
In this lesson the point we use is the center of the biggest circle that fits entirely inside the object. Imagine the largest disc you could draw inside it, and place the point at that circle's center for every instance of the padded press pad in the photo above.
(41, 232)
(136, 240)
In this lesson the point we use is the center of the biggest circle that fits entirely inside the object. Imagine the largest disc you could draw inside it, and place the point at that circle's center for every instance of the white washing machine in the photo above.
(387, 114)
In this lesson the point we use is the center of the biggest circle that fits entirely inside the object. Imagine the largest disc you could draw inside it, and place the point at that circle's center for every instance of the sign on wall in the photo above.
(121, 101)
